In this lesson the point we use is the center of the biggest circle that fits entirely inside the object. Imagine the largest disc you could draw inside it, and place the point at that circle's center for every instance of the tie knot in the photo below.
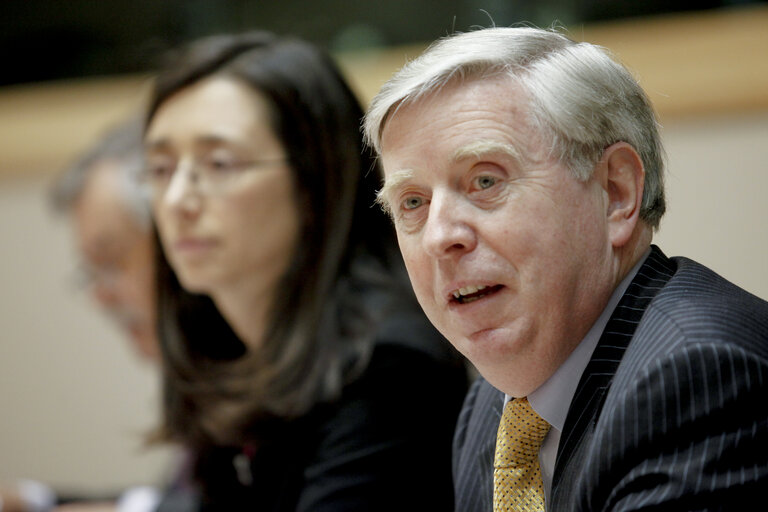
(521, 432)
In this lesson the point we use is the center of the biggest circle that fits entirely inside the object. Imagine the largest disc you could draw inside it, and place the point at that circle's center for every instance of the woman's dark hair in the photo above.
(321, 324)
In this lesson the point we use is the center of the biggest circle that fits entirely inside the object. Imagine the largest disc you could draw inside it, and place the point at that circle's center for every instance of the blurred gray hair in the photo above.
(122, 144)
(580, 98)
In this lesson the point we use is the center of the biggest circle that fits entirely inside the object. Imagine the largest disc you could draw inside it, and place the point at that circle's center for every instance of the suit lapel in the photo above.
(590, 394)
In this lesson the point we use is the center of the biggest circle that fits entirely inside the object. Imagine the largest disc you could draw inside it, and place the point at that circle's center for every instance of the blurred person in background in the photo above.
(102, 195)
(298, 365)
(113, 231)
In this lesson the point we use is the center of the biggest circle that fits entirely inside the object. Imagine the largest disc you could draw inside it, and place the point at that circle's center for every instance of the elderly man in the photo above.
(524, 175)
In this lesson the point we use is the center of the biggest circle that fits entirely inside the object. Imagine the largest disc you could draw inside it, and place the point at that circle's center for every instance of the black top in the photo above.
(385, 445)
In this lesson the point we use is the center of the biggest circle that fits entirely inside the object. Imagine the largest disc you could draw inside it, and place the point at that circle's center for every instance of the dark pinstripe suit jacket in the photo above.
(671, 412)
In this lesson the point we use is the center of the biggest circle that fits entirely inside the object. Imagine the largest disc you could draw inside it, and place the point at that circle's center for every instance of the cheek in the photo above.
(409, 250)
(161, 219)
(419, 267)
(518, 234)
(267, 223)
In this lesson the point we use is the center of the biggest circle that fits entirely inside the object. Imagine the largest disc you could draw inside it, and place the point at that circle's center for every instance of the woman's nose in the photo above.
(183, 191)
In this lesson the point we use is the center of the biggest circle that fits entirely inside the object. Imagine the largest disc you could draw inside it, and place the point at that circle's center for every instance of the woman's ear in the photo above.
(624, 181)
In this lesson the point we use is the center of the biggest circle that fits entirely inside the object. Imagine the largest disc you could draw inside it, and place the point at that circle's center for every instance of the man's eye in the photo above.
(484, 182)
(412, 203)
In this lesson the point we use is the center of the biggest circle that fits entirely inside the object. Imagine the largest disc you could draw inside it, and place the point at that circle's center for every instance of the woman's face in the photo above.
(222, 189)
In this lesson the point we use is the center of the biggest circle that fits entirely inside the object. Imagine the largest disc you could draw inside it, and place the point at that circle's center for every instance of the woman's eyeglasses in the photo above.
(212, 175)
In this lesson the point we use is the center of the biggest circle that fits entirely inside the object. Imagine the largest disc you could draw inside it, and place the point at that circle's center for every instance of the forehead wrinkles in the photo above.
(459, 110)
(481, 148)
(475, 149)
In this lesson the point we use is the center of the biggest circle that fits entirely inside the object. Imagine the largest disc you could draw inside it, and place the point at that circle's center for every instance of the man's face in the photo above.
(507, 252)
(118, 256)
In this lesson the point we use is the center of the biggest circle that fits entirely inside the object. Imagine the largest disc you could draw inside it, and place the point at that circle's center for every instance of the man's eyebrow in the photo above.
(480, 148)
(395, 180)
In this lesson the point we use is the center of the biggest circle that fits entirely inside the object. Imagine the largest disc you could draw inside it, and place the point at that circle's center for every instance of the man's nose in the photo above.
(449, 230)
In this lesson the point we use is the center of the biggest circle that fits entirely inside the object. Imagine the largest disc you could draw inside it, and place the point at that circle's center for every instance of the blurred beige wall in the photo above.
(74, 402)
(717, 212)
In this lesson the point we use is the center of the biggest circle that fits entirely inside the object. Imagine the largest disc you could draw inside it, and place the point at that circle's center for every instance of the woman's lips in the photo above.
(193, 245)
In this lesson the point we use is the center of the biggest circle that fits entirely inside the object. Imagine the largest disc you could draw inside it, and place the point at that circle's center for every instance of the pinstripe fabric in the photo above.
(688, 422)
(672, 410)
(587, 401)
(474, 446)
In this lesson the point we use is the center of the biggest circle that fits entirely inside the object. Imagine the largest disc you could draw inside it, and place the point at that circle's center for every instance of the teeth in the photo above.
(468, 290)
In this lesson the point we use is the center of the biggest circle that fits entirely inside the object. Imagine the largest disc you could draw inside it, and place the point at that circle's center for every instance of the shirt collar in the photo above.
(552, 399)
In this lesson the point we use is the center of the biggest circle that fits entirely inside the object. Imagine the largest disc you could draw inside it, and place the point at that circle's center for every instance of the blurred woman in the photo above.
(298, 366)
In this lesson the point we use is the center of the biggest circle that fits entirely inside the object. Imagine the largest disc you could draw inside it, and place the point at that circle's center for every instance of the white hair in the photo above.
(580, 98)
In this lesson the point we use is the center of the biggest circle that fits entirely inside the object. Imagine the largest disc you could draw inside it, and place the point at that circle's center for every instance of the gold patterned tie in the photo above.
(517, 481)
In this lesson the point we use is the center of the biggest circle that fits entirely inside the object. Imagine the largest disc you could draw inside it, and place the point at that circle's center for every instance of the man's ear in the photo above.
(623, 182)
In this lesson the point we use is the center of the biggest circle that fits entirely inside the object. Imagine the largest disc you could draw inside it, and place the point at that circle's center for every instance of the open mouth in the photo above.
(472, 293)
